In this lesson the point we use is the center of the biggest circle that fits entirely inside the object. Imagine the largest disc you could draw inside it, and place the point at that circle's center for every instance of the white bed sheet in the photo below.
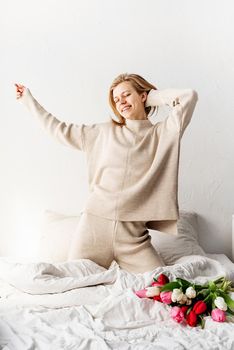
(80, 305)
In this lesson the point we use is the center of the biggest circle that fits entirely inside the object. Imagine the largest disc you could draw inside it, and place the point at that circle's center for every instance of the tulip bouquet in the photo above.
(190, 302)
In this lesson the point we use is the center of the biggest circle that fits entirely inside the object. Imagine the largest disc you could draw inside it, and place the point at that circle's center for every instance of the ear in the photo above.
(144, 96)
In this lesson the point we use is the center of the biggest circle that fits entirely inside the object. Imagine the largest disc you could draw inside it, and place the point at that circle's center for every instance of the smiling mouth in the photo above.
(126, 108)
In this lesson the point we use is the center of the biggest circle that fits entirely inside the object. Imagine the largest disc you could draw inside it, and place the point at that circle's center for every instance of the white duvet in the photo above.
(80, 305)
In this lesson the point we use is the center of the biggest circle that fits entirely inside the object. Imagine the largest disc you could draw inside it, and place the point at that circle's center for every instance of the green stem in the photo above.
(220, 279)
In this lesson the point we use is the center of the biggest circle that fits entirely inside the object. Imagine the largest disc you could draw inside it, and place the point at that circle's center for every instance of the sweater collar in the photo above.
(138, 124)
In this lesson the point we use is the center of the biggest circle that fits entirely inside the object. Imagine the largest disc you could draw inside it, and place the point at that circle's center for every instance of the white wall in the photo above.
(68, 53)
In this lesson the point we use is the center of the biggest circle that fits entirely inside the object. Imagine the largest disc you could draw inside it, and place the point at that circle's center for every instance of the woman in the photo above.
(133, 171)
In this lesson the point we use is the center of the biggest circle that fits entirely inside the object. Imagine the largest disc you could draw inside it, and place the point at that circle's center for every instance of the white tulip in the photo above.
(152, 291)
(176, 293)
(182, 299)
(188, 302)
(190, 292)
(220, 303)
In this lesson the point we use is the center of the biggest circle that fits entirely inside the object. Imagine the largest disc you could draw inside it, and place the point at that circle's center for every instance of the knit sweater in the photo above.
(132, 170)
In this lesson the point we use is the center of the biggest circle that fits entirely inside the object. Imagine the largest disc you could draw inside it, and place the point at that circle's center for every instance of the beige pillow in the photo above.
(170, 247)
(57, 233)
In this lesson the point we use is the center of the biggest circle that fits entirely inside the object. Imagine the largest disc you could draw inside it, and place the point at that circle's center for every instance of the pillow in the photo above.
(170, 247)
(57, 233)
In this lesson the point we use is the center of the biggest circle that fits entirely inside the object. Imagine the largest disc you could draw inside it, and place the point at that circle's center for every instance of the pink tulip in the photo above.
(156, 284)
(141, 293)
(218, 315)
(166, 297)
(177, 314)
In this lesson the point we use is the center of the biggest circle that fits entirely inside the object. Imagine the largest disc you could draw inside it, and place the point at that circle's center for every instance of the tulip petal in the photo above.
(141, 293)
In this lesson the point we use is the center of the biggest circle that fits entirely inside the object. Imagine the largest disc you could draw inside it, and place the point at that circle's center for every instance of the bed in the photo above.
(51, 303)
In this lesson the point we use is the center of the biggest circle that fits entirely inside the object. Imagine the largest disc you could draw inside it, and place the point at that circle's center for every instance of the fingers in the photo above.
(19, 87)
(19, 90)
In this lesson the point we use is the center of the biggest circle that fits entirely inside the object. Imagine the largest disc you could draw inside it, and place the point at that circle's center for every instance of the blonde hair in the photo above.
(139, 84)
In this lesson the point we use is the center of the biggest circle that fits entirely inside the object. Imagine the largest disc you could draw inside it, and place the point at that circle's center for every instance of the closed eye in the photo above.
(118, 99)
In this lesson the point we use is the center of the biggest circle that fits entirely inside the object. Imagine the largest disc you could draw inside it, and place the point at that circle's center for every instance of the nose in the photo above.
(123, 100)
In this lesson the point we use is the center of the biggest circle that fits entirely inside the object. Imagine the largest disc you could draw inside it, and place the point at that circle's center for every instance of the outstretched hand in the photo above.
(19, 90)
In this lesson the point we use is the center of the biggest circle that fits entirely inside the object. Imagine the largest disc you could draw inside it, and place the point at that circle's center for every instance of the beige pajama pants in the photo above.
(102, 241)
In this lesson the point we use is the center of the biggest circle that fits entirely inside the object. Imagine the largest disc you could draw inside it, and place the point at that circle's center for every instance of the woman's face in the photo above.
(128, 102)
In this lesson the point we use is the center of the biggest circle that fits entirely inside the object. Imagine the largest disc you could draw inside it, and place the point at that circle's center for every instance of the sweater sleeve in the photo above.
(69, 134)
(182, 103)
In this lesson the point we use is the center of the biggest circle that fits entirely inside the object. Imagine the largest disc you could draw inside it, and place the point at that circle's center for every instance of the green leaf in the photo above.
(199, 287)
(203, 292)
(170, 286)
(183, 283)
(229, 311)
(229, 301)
(208, 297)
(189, 309)
(212, 286)
(202, 323)
(218, 280)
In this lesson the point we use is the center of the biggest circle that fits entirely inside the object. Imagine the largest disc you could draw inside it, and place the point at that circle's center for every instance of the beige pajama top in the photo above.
(132, 170)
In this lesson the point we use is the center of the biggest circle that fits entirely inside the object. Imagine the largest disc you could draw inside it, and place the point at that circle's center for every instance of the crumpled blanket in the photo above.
(81, 305)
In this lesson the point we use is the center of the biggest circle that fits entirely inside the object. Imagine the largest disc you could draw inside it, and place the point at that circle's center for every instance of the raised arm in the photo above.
(68, 134)
(182, 102)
